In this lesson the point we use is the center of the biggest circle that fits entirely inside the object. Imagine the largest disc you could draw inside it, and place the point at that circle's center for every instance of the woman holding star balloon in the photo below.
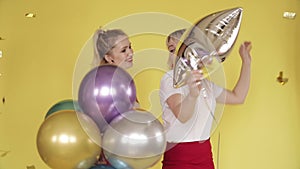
(188, 109)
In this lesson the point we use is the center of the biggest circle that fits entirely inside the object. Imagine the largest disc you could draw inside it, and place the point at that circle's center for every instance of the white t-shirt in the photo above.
(199, 126)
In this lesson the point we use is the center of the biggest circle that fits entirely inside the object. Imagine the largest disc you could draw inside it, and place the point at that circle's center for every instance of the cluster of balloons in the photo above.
(102, 129)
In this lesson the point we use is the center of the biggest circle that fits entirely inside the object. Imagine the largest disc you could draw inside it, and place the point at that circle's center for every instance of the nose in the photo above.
(172, 55)
(130, 52)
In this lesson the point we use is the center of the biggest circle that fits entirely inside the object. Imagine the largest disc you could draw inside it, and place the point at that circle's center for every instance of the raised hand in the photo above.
(244, 51)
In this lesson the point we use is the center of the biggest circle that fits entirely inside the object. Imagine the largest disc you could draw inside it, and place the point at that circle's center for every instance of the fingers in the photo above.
(195, 82)
(197, 75)
(247, 45)
(196, 78)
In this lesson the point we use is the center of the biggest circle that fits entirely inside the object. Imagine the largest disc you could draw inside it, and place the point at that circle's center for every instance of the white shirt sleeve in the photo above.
(217, 90)
(166, 87)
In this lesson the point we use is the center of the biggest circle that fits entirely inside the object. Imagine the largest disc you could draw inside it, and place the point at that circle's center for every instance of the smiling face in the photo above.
(121, 54)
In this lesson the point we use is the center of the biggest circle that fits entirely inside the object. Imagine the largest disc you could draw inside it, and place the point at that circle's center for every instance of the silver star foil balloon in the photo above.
(206, 44)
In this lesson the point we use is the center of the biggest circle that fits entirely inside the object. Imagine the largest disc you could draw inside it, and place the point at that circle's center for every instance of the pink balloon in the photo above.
(106, 92)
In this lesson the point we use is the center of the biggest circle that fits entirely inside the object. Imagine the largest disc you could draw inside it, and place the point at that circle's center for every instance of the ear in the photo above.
(109, 59)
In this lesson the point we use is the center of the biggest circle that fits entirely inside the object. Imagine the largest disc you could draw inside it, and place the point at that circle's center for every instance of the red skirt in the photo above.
(188, 155)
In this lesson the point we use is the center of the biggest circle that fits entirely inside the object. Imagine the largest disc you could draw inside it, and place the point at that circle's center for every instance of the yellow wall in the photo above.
(40, 55)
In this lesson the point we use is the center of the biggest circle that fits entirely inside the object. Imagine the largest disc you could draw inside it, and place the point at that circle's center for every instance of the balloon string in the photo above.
(211, 113)
(218, 152)
(204, 91)
(102, 159)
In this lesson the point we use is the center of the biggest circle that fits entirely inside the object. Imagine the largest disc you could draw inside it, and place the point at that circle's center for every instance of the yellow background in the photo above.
(40, 54)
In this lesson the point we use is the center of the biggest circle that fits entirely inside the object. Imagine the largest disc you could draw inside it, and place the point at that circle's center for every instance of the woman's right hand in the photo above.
(194, 82)
(183, 107)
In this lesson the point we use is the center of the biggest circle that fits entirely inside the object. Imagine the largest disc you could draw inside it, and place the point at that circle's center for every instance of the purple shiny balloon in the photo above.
(106, 92)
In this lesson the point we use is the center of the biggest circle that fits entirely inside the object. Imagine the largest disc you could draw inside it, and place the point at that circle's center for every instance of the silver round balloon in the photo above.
(134, 140)
(206, 44)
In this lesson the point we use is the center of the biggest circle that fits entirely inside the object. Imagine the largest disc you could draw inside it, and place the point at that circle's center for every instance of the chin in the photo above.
(127, 66)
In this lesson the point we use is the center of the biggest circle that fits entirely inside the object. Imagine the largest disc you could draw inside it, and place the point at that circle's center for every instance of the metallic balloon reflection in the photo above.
(134, 140)
(206, 44)
(105, 92)
(222, 29)
(67, 104)
(62, 142)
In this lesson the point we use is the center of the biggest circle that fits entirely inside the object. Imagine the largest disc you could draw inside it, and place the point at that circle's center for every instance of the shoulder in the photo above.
(166, 81)
(168, 75)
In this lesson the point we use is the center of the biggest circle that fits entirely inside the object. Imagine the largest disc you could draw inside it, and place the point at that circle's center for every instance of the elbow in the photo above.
(183, 116)
(240, 101)
(182, 119)
(235, 98)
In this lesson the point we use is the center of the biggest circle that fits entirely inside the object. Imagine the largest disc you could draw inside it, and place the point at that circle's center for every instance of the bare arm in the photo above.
(240, 91)
(183, 107)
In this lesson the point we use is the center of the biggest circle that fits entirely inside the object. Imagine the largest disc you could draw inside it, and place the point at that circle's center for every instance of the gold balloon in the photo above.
(64, 140)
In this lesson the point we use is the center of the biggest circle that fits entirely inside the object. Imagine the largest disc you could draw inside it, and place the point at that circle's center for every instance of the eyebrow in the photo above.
(124, 47)
(173, 46)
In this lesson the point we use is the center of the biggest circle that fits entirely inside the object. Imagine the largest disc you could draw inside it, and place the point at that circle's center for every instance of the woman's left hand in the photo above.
(244, 51)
